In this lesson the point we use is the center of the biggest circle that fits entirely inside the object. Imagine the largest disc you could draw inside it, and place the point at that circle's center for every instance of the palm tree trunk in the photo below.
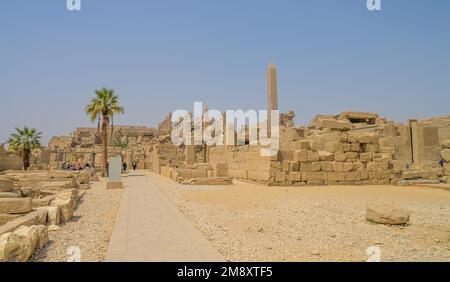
(26, 159)
(105, 126)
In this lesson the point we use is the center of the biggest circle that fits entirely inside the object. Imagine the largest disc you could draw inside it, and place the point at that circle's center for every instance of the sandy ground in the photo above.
(90, 228)
(250, 222)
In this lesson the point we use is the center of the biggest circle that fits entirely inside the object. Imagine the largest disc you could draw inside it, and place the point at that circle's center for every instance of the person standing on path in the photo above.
(134, 164)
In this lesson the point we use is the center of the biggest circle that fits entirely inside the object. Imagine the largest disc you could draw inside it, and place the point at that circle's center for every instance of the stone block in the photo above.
(313, 176)
(302, 144)
(351, 156)
(313, 156)
(294, 176)
(446, 144)
(335, 176)
(326, 156)
(36, 217)
(327, 166)
(340, 157)
(15, 205)
(6, 185)
(301, 155)
(316, 166)
(445, 154)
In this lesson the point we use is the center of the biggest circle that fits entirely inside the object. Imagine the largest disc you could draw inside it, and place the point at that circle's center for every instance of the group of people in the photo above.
(125, 166)
(74, 167)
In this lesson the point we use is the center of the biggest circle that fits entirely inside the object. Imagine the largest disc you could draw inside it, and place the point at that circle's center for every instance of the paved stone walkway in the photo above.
(150, 228)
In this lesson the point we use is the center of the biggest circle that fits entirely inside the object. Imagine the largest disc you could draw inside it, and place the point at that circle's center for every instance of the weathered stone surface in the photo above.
(53, 228)
(445, 154)
(326, 156)
(387, 214)
(301, 155)
(446, 144)
(37, 217)
(66, 207)
(19, 245)
(9, 195)
(6, 185)
(4, 217)
(15, 205)
(42, 202)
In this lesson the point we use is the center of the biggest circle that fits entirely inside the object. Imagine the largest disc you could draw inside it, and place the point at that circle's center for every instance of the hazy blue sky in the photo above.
(163, 55)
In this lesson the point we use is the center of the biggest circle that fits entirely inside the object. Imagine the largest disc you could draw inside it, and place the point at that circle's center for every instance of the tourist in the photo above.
(134, 165)
(124, 167)
(441, 162)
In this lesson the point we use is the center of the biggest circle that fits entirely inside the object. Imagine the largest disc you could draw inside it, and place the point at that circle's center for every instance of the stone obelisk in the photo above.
(272, 95)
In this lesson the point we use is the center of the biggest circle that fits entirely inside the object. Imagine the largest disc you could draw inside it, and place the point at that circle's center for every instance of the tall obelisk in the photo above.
(272, 95)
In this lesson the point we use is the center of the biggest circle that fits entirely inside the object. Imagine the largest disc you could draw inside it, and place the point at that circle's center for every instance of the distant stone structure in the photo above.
(347, 148)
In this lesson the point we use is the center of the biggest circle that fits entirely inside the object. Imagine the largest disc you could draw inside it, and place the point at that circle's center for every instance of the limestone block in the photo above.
(302, 144)
(9, 195)
(364, 138)
(313, 156)
(343, 137)
(6, 185)
(42, 202)
(313, 176)
(66, 207)
(370, 148)
(294, 176)
(326, 156)
(4, 217)
(365, 157)
(342, 166)
(340, 157)
(347, 147)
(352, 137)
(351, 156)
(354, 147)
(334, 124)
(445, 154)
(372, 166)
(280, 176)
(295, 166)
(53, 214)
(352, 176)
(305, 166)
(37, 217)
(358, 166)
(335, 176)
(333, 147)
(446, 144)
(387, 214)
(327, 166)
(19, 245)
(316, 166)
(15, 205)
(285, 166)
(285, 155)
(301, 155)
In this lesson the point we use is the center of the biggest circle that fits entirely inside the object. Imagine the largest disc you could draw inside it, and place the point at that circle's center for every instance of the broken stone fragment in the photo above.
(387, 214)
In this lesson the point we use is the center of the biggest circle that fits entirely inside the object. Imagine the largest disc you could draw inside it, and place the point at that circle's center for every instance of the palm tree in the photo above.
(23, 142)
(104, 105)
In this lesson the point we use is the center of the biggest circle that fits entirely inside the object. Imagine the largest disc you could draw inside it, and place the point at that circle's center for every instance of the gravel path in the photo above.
(89, 229)
(250, 222)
